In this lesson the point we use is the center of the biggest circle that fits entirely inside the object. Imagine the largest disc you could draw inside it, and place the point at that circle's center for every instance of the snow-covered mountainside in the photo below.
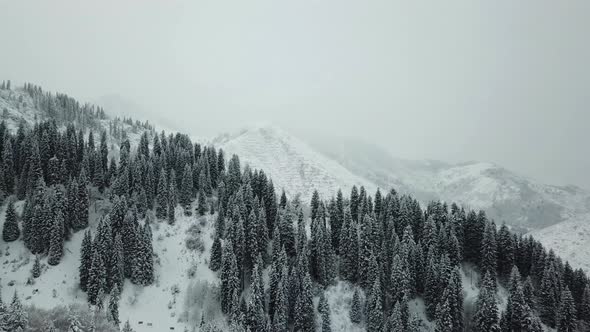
(506, 196)
(291, 163)
(570, 240)
(301, 167)
(18, 106)
(523, 203)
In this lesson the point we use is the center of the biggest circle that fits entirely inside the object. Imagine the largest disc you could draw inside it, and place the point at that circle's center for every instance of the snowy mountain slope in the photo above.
(559, 216)
(158, 307)
(291, 163)
(18, 106)
(505, 195)
(570, 240)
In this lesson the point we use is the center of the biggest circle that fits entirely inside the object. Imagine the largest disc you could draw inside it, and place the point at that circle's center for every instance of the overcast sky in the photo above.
(500, 81)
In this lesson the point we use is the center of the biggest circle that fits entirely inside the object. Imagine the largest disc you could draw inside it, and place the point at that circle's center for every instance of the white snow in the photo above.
(157, 304)
(290, 163)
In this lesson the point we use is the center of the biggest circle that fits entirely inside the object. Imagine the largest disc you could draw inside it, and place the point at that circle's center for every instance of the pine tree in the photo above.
(444, 320)
(215, 259)
(518, 316)
(324, 310)
(356, 308)
(85, 260)
(127, 327)
(162, 197)
(549, 294)
(57, 240)
(114, 305)
(584, 310)
(395, 322)
(82, 206)
(505, 252)
(280, 317)
(489, 251)
(201, 203)
(36, 270)
(304, 309)
(349, 250)
(96, 278)
(171, 200)
(529, 292)
(116, 264)
(256, 318)
(375, 308)
(486, 309)
(10, 231)
(229, 278)
(186, 190)
(455, 296)
(566, 313)
(17, 316)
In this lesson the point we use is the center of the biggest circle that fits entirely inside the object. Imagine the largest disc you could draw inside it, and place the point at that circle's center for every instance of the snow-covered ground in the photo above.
(291, 163)
(570, 240)
(154, 308)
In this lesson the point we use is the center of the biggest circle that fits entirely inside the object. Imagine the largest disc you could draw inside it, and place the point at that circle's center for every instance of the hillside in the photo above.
(290, 162)
(506, 196)
(198, 241)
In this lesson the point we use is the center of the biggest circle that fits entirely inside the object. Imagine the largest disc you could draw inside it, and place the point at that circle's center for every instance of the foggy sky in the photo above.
(500, 81)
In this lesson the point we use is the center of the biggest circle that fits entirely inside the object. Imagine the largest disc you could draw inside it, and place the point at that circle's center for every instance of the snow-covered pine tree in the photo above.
(8, 166)
(349, 250)
(186, 190)
(304, 308)
(201, 203)
(57, 239)
(118, 263)
(17, 317)
(518, 316)
(36, 270)
(444, 319)
(529, 292)
(82, 206)
(549, 294)
(375, 308)
(171, 199)
(356, 309)
(505, 252)
(256, 317)
(162, 196)
(262, 234)
(10, 231)
(148, 255)
(96, 277)
(354, 203)
(395, 322)
(215, 258)
(566, 313)
(127, 327)
(489, 249)
(114, 305)
(229, 278)
(324, 310)
(455, 295)
(584, 309)
(399, 281)
(485, 318)
(86, 251)
(280, 316)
